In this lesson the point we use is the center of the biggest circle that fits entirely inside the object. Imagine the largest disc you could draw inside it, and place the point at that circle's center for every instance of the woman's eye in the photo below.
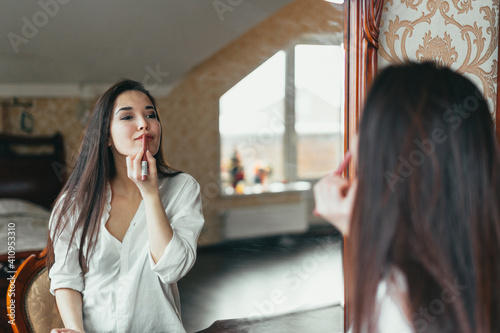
(152, 116)
(126, 118)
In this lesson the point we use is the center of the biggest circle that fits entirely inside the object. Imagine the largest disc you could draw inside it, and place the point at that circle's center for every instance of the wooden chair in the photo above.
(35, 307)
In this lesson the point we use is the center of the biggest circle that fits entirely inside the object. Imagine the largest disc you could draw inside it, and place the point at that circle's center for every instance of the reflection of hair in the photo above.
(83, 195)
(428, 200)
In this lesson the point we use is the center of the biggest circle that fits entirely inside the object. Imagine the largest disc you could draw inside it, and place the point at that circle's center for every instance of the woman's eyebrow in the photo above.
(128, 108)
(125, 108)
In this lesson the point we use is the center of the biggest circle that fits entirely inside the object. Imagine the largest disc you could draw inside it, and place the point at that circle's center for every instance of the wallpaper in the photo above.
(47, 117)
(461, 34)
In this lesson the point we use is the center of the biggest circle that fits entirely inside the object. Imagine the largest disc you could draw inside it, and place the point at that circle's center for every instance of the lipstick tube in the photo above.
(344, 164)
(144, 161)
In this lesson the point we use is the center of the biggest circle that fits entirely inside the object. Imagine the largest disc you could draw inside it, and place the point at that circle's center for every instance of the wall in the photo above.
(50, 115)
(190, 113)
(460, 34)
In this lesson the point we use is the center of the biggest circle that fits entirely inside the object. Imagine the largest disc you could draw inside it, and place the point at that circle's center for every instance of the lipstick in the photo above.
(144, 161)
(344, 164)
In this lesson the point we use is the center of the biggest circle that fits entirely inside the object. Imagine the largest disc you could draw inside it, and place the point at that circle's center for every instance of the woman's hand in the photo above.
(64, 330)
(334, 197)
(134, 168)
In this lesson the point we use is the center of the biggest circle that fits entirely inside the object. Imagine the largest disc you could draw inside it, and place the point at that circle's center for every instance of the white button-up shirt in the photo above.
(391, 318)
(124, 290)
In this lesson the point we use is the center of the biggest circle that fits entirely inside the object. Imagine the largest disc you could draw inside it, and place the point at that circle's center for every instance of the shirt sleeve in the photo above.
(66, 271)
(186, 220)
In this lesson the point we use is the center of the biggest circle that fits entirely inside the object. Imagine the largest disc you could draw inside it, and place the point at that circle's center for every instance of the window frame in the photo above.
(289, 135)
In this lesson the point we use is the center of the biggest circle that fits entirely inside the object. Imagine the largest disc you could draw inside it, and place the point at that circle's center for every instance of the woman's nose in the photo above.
(143, 124)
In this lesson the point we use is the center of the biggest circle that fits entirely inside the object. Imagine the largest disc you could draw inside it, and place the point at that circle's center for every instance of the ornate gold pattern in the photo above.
(41, 306)
(463, 6)
(457, 33)
(438, 50)
(411, 4)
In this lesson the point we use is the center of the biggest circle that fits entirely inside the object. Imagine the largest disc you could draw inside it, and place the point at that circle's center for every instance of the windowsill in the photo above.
(300, 186)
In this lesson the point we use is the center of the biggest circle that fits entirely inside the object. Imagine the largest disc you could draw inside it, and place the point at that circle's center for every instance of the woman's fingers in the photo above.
(134, 166)
(334, 197)
(134, 171)
(329, 193)
(63, 330)
(151, 164)
(130, 165)
(351, 193)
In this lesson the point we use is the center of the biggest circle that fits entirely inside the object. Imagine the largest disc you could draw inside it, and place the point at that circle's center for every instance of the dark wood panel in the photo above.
(36, 177)
(497, 115)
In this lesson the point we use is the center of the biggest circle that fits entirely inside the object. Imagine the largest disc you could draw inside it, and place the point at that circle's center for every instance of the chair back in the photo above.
(35, 306)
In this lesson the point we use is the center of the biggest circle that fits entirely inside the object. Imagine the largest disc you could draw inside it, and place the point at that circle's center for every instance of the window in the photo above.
(282, 124)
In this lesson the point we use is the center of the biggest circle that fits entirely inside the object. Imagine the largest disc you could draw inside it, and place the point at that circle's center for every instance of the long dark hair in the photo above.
(83, 196)
(428, 201)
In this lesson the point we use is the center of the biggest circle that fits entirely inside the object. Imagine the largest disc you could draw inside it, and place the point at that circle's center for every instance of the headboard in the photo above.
(28, 174)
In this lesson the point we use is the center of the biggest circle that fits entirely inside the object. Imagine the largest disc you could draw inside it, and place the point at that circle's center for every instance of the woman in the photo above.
(118, 244)
(423, 215)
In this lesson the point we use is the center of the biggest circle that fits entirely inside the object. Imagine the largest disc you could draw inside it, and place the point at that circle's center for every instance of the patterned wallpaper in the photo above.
(48, 116)
(461, 34)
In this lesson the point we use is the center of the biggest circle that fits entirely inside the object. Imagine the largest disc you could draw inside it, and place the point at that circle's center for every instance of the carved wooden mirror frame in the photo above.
(361, 27)
(361, 31)
(498, 84)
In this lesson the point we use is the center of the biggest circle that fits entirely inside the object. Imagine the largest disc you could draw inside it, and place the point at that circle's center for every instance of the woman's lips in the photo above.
(148, 137)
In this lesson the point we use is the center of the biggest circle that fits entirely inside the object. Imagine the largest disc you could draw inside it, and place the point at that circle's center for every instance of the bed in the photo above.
(31, 176)
(32, 172)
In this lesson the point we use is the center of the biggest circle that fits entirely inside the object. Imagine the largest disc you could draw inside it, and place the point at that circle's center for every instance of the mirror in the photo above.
(59, 55)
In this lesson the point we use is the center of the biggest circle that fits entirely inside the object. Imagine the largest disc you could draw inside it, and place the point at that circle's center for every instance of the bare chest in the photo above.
(121, 214)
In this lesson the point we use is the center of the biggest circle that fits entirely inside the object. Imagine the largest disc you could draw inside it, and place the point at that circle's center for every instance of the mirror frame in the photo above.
(497, 111)
(361, 33)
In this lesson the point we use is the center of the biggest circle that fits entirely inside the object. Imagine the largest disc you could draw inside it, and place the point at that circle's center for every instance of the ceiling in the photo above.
(72, 44)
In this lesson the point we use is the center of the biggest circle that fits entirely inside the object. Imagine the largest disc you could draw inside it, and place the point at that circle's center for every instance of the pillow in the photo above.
(27, 220)
(21, 207)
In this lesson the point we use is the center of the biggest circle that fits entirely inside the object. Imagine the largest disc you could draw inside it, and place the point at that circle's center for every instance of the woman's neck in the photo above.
(122, 185)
